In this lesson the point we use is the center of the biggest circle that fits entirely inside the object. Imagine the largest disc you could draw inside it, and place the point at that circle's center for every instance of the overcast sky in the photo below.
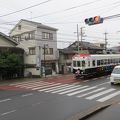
(65, 15)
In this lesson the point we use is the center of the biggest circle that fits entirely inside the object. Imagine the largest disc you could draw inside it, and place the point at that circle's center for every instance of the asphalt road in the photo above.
(56, 98)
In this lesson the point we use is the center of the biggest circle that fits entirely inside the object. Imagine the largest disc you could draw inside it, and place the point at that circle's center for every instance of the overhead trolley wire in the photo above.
(25, 8)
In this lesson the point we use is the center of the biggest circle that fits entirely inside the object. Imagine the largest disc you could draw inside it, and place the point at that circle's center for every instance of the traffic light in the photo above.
(94, 20)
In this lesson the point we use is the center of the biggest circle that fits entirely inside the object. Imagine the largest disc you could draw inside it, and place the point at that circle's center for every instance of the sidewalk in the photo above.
(7, 82)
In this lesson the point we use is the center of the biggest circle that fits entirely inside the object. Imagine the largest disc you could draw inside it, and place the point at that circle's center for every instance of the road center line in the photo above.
(8, 112)
(5, 100)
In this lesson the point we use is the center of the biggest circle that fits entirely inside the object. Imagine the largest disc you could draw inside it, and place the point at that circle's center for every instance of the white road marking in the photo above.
(56, 89)
(91, 92)
(109, 96)
(5, 100)
(58, 86)
(45, 86)
(25, 95)
(39, 85)
(8, 112)
(80, 87)
(70, 87)
(102, 84)
(25, 82)
(99, 94)
(33, 84)
(74, 93)
(86, 80)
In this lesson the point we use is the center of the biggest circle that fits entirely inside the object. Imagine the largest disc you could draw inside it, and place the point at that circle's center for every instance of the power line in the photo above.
(71, 8)
(74, 7)
(25, 8)
(112, 16)
(51, 12)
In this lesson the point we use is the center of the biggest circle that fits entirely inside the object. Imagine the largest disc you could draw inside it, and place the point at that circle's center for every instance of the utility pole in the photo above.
(78, 37)
(44, 60)
(105, 41)
(81, 33)
(45, 49)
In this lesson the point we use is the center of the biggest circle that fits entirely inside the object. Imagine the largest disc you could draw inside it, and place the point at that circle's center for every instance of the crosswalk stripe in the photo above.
(59, 86)
(64, 92)
(25, 82)
(74, 93)
(45, 86)
(35, 83)
(56, 89)
(109, 96)
(91, 92)
(71, 87)
(99, 94)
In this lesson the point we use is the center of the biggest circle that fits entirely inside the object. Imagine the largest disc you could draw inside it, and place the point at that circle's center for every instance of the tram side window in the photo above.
(93, 62)
(98, 62)
(101, 62)
(83, 63)
(108, 61)
(89, 63)
(78, 63)
(74, 63)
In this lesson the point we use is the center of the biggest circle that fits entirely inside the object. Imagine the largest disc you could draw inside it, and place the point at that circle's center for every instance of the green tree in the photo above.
(10, 63)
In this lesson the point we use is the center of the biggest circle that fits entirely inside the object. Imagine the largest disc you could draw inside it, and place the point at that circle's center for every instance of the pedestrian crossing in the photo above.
(97, 93)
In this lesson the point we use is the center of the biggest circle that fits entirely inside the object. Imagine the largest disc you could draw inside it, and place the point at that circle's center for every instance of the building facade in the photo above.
(40, 44)
(11, 58)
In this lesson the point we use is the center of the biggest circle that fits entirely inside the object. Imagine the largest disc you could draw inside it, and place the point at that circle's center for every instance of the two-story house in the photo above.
(40, 44)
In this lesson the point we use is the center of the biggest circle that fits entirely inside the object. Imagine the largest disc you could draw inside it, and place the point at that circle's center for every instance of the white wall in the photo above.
(4, 42)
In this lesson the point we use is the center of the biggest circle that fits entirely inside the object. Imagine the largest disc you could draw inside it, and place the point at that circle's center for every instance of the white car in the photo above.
(115, 75)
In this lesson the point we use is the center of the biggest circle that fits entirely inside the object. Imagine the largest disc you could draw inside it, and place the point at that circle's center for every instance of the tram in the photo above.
(94, 65)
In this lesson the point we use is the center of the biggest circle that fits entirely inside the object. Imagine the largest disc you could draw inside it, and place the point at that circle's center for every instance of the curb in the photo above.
(99, 107)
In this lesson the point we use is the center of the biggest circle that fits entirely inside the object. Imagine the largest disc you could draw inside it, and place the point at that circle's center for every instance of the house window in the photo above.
(45, 51)
(48, 51)
(29, 35)
(19, 27)
(32, 50)
(46, 35)
(51, 51)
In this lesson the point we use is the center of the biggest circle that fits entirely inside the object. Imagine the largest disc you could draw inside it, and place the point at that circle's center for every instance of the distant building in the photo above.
(86, 47)
(102, 45)
(40, 44)
(114, 50)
